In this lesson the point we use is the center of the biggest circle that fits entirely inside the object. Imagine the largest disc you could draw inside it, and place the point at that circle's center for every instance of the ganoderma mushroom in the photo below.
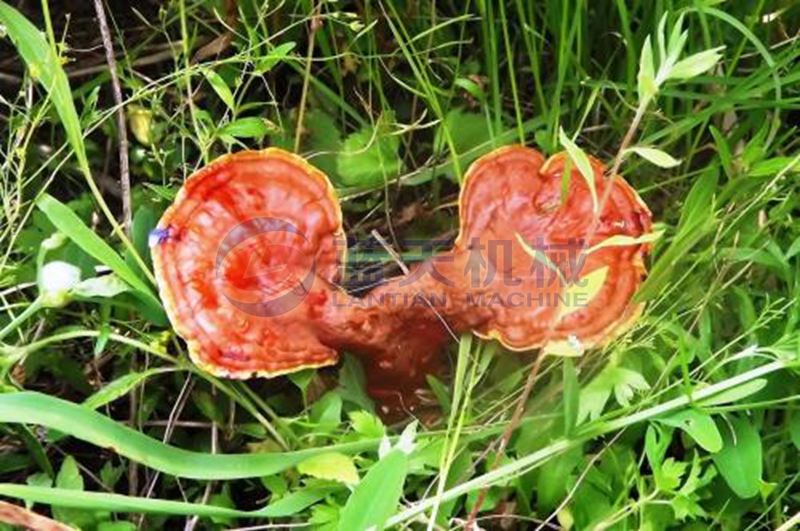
(533, 266)
(244, 259)
(513, 195)
(249, 256)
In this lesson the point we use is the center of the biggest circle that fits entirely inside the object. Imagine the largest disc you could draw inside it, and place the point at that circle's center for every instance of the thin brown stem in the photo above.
(20, 516)
(122, 131)
(506, 437)
(627, 139)
(315, 24)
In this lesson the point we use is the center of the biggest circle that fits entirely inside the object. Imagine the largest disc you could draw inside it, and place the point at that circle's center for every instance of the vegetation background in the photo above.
(690, 421)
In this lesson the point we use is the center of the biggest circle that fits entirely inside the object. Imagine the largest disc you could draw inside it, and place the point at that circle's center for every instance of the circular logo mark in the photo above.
(262, 268)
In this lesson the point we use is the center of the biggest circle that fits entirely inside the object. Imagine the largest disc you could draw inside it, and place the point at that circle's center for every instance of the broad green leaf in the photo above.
(376, 498)
(696, 64)
(740, 460)
(331, 465)
(145, 219)
(441, 391)
(647, 72)
(66, 221)
(774, 165)
(627, 382)
(662, 159)
(581, 161)
(594, 281)
(220, 87)
(699, 426)
(698, 206)
(72, 419)
(120, 387)
(249, 127)
(302, 379)
(369, 157)
(40, 479)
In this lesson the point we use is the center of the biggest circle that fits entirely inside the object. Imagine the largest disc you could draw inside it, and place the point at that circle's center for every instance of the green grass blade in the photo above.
(75, 420)
(102, 501)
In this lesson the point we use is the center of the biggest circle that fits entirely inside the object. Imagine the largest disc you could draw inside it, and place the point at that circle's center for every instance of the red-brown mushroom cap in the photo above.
(245, 258)
(513, 197)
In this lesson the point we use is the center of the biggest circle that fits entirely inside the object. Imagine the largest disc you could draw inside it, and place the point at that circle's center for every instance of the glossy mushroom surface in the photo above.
(245, 258)
(543, 240)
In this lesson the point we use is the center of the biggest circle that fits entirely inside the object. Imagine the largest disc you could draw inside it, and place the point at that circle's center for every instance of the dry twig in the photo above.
(122, 131)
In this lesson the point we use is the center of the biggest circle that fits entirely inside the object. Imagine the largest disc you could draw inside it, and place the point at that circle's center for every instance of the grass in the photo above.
(690, 421)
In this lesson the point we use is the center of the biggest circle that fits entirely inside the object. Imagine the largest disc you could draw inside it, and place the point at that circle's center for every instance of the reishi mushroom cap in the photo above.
(514, 197)
(255, 234)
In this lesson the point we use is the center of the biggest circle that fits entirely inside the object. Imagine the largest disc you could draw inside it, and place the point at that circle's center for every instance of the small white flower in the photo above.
(56, 282)
(406, 443)
(385, 447)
